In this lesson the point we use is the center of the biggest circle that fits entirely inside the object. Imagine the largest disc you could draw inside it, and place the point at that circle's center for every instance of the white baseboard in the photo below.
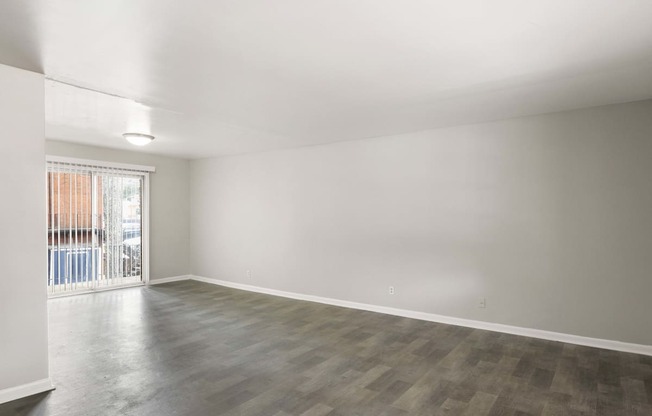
(169, 279)
(24, 390)
(489, 326)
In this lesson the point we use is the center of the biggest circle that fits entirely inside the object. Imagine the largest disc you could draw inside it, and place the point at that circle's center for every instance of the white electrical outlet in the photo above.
(482, 303)
(248, 274)
(391, 290)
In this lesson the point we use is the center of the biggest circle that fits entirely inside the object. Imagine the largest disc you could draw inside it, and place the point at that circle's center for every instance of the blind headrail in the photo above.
(99, 164)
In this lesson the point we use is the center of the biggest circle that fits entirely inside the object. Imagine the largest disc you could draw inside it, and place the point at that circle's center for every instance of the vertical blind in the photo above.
(95, 225)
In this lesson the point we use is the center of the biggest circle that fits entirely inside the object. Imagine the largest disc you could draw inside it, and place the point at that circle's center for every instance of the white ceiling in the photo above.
(234, 76)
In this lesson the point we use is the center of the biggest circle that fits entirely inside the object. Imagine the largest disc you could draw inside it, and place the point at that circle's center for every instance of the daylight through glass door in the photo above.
(95, 224)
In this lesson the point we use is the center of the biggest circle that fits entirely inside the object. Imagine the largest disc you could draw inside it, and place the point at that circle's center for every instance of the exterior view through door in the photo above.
(96, 225)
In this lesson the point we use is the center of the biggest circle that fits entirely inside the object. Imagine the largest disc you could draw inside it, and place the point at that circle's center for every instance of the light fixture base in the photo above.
(138, 139)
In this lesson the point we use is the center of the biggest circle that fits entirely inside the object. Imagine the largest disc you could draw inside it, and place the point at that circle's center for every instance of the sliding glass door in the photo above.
(95, 227)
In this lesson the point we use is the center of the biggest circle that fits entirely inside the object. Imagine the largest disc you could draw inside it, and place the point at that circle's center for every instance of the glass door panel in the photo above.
(94, 229)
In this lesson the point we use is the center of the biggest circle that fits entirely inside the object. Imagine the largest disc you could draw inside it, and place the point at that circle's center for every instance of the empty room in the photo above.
(311, 208)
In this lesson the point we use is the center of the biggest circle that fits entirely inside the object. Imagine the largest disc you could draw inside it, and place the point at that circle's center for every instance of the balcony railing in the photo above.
(67, 220)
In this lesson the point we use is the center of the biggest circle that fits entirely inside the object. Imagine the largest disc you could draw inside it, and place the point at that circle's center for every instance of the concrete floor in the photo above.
(190, 348)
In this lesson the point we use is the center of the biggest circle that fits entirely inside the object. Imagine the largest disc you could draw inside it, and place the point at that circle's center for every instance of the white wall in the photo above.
(548, 217)
(169, 203)
(23, 258)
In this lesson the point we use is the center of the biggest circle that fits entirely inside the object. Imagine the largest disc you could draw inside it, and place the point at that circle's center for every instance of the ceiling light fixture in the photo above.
(138, 139)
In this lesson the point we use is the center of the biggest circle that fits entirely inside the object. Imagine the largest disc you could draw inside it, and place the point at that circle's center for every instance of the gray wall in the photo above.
(23, 255)
(548, 217)
(169, 203)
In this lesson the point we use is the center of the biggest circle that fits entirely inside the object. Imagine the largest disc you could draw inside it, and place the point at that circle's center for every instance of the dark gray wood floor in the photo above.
(190, 348)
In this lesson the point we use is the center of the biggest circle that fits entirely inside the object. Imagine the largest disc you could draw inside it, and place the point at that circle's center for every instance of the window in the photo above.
(97, 223)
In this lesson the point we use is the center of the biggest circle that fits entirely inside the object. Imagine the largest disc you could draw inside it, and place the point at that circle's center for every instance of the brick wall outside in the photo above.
(69, 207)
